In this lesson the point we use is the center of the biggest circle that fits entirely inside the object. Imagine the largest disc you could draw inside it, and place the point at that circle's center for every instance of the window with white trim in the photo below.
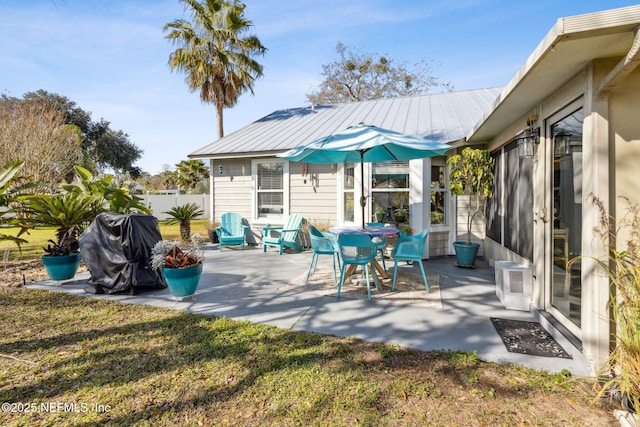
(348, 179)
(270, 188)
(390, 191)
(438, 191)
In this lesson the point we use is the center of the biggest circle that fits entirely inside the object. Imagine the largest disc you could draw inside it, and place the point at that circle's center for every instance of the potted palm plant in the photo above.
(183, 215)
(471, 175)
(69, 213)
(62, 257)
(181, 265)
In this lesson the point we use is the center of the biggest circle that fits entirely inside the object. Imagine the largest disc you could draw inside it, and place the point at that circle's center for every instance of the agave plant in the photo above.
(183, 215)
(171, 254)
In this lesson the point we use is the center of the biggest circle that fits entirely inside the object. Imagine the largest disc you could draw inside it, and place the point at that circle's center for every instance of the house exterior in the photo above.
(574, 105)
(247, 177)
(580, 90)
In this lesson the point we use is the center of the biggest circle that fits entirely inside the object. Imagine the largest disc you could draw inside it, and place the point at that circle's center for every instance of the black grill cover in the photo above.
(117, 251)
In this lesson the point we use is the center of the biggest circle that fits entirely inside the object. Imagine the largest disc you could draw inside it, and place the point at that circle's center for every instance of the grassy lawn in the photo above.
(70, 360)
(38, 238)
(78, 361)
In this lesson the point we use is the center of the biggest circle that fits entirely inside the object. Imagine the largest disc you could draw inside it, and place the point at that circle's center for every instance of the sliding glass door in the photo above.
(565, 294)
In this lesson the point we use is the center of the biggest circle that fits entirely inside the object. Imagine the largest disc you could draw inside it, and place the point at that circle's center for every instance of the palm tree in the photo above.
(183, 215)
(215, 52)
(169, 179)
(190, 173)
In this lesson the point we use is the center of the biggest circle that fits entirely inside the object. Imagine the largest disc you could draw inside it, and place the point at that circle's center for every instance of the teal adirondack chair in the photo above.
(283, 237)
(231, 230)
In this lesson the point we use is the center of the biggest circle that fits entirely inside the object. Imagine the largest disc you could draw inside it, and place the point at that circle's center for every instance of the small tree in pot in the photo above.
(70, 214)
(472, 175)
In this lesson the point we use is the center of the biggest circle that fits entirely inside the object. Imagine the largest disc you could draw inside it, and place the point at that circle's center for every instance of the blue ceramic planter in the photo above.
(182, 282)
(466, 254)
(61, 267)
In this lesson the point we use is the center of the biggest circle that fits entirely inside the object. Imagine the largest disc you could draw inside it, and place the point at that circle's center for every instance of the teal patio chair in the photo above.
(323, 244)
(283, 237)
(381, 242)
(410, 248)
(231, 230)
(357, 249)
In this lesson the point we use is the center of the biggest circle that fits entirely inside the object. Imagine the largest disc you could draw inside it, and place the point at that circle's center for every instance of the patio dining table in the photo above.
(372, 232)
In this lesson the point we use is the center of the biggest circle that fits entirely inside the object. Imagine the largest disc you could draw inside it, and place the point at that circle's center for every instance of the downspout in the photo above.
(597, 329)
(623, 69)
(212, 214)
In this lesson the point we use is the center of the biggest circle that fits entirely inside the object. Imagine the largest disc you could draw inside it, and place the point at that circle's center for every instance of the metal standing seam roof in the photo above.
(444, 117)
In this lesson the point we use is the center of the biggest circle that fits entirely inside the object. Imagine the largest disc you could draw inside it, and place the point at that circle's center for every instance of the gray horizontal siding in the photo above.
(314, 194)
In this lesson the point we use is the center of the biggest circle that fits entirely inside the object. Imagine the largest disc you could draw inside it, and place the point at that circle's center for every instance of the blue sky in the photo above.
(110, 57)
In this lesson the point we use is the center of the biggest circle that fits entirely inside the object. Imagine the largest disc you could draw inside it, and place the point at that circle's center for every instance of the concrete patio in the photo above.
(244, 285)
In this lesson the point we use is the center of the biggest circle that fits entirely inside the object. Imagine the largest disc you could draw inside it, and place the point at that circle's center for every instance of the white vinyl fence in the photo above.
(160, 203)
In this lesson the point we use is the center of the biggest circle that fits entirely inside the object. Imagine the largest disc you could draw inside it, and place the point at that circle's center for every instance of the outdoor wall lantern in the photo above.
(529, 138)
(220, 168)
(561, 142)
(527, 141)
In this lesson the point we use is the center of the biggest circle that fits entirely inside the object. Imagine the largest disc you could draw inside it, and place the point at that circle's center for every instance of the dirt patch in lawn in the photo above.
(18, 273)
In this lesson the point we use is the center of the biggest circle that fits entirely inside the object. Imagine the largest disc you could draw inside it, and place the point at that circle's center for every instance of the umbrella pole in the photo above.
(363, 199)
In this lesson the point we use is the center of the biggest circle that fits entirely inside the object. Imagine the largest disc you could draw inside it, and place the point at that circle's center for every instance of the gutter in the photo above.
(235, 156)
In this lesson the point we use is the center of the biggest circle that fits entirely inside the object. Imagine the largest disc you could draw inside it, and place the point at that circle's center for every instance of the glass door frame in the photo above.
(549, 223)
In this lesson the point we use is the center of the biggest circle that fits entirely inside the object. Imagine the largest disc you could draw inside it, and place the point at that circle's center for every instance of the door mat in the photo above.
(410, 290)
(528, 338)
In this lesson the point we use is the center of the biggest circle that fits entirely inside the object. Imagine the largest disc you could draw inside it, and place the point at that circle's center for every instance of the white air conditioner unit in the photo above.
(513, 284)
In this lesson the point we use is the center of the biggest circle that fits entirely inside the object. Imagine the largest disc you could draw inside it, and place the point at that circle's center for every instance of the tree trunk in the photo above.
(185, 230)
(219, 114)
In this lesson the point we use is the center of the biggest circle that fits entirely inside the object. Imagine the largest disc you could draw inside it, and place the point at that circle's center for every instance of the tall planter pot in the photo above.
(183, 282)
(466, 254)
(61, 267)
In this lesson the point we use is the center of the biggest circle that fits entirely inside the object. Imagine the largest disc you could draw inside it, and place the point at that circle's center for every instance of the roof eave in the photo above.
(517, 99)
(226, 156)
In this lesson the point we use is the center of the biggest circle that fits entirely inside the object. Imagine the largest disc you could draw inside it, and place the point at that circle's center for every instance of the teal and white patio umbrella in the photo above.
(365, 143)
